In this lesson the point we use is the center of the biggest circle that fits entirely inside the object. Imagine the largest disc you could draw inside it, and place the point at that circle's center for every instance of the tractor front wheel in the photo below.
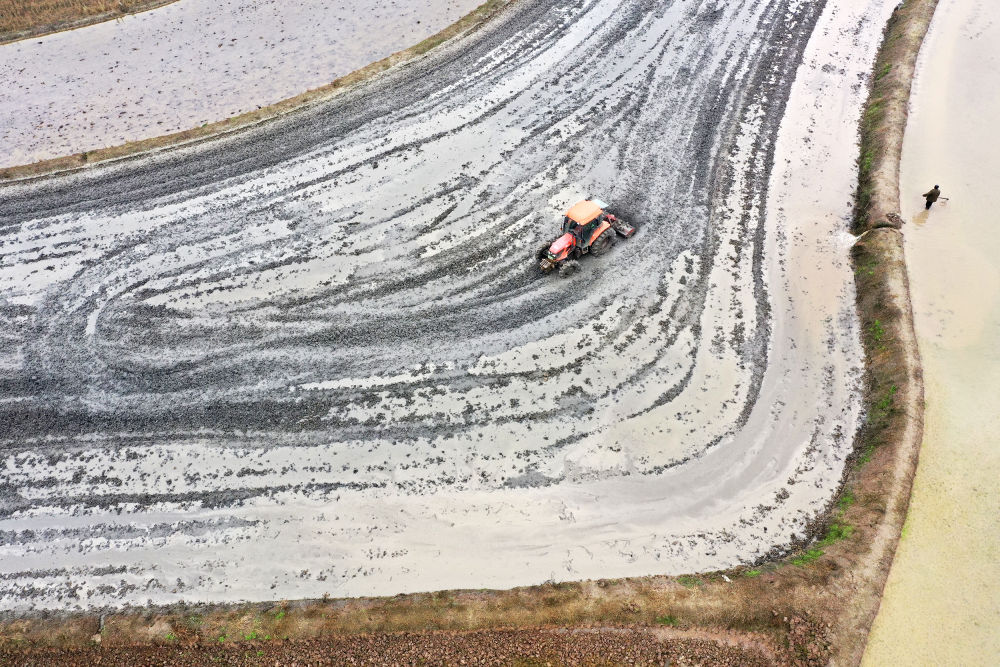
(604, 242)
(568, 268)
(543, 252)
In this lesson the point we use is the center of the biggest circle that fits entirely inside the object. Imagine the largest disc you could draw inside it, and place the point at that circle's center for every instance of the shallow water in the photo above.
(942, 600)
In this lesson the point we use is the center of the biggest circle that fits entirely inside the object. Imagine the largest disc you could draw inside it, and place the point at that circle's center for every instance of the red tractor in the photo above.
(587, 228)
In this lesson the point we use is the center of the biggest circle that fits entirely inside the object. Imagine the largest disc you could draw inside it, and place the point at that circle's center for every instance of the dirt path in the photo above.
(942, 600)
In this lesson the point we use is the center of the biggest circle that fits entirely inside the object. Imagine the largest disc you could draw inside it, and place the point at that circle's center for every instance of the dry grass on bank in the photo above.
(30, 18)
(753, 619)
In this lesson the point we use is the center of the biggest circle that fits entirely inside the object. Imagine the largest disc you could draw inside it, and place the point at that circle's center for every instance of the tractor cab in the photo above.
(571, 226)
(583, 219)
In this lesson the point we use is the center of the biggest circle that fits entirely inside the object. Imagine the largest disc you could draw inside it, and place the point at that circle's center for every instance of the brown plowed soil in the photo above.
(614, 646)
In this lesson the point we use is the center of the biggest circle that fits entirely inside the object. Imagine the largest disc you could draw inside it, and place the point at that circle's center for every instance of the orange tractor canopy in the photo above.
(587, 228)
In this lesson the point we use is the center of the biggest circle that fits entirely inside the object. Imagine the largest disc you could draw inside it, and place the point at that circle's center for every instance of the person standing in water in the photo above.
(931, 196)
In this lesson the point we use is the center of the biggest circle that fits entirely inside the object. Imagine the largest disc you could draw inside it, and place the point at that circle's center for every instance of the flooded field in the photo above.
(318, 358)
(189, 63)
(942, 602)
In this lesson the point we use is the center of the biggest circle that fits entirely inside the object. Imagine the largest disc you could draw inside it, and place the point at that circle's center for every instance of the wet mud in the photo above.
(317, 358)
(190, 63)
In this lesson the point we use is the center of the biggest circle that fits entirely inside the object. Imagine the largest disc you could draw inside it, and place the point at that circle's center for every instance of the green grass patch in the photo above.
(877, 334)
(688, 581)
(845, 500)
(868, 269)
(877, 331)
(871, 148)
(669, 619)
(837, 532)
(884, 406)
(864, 200)
(885, 403)
(867, 162)
(866, 455)
(884, 72)
(874, 114)
(752, 573)
(807, 557)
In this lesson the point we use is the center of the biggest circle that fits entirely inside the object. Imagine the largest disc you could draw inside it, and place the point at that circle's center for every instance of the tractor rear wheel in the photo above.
(568, 268)
(604, 242)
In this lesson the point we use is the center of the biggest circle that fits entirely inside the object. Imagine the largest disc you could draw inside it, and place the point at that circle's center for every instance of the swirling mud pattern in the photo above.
(319, 358)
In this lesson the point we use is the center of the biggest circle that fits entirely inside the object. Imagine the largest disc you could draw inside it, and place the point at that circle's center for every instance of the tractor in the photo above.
(587, 228)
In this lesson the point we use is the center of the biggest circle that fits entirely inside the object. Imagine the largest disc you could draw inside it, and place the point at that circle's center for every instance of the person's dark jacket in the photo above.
(933, 195)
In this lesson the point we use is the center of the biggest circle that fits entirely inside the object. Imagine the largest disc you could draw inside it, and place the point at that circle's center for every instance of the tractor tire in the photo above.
(568, 268)
(604, 242)
(543, 251)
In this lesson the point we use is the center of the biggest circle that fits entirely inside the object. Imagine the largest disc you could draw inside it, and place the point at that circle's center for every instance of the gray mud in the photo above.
(319, 351)
(185, 64)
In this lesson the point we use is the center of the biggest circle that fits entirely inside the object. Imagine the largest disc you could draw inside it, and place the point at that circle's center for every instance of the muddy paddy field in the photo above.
(315, 359)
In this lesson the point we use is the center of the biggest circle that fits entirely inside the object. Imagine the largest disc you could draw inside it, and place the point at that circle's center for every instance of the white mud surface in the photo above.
(318, 359)
(942, 601)
(190, 63)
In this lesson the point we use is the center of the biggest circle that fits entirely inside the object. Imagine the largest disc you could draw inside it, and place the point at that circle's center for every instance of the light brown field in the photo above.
(942, 599)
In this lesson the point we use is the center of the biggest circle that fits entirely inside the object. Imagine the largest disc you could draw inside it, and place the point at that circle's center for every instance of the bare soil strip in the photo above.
(24, 19)
(812, 607)
(601, 646)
